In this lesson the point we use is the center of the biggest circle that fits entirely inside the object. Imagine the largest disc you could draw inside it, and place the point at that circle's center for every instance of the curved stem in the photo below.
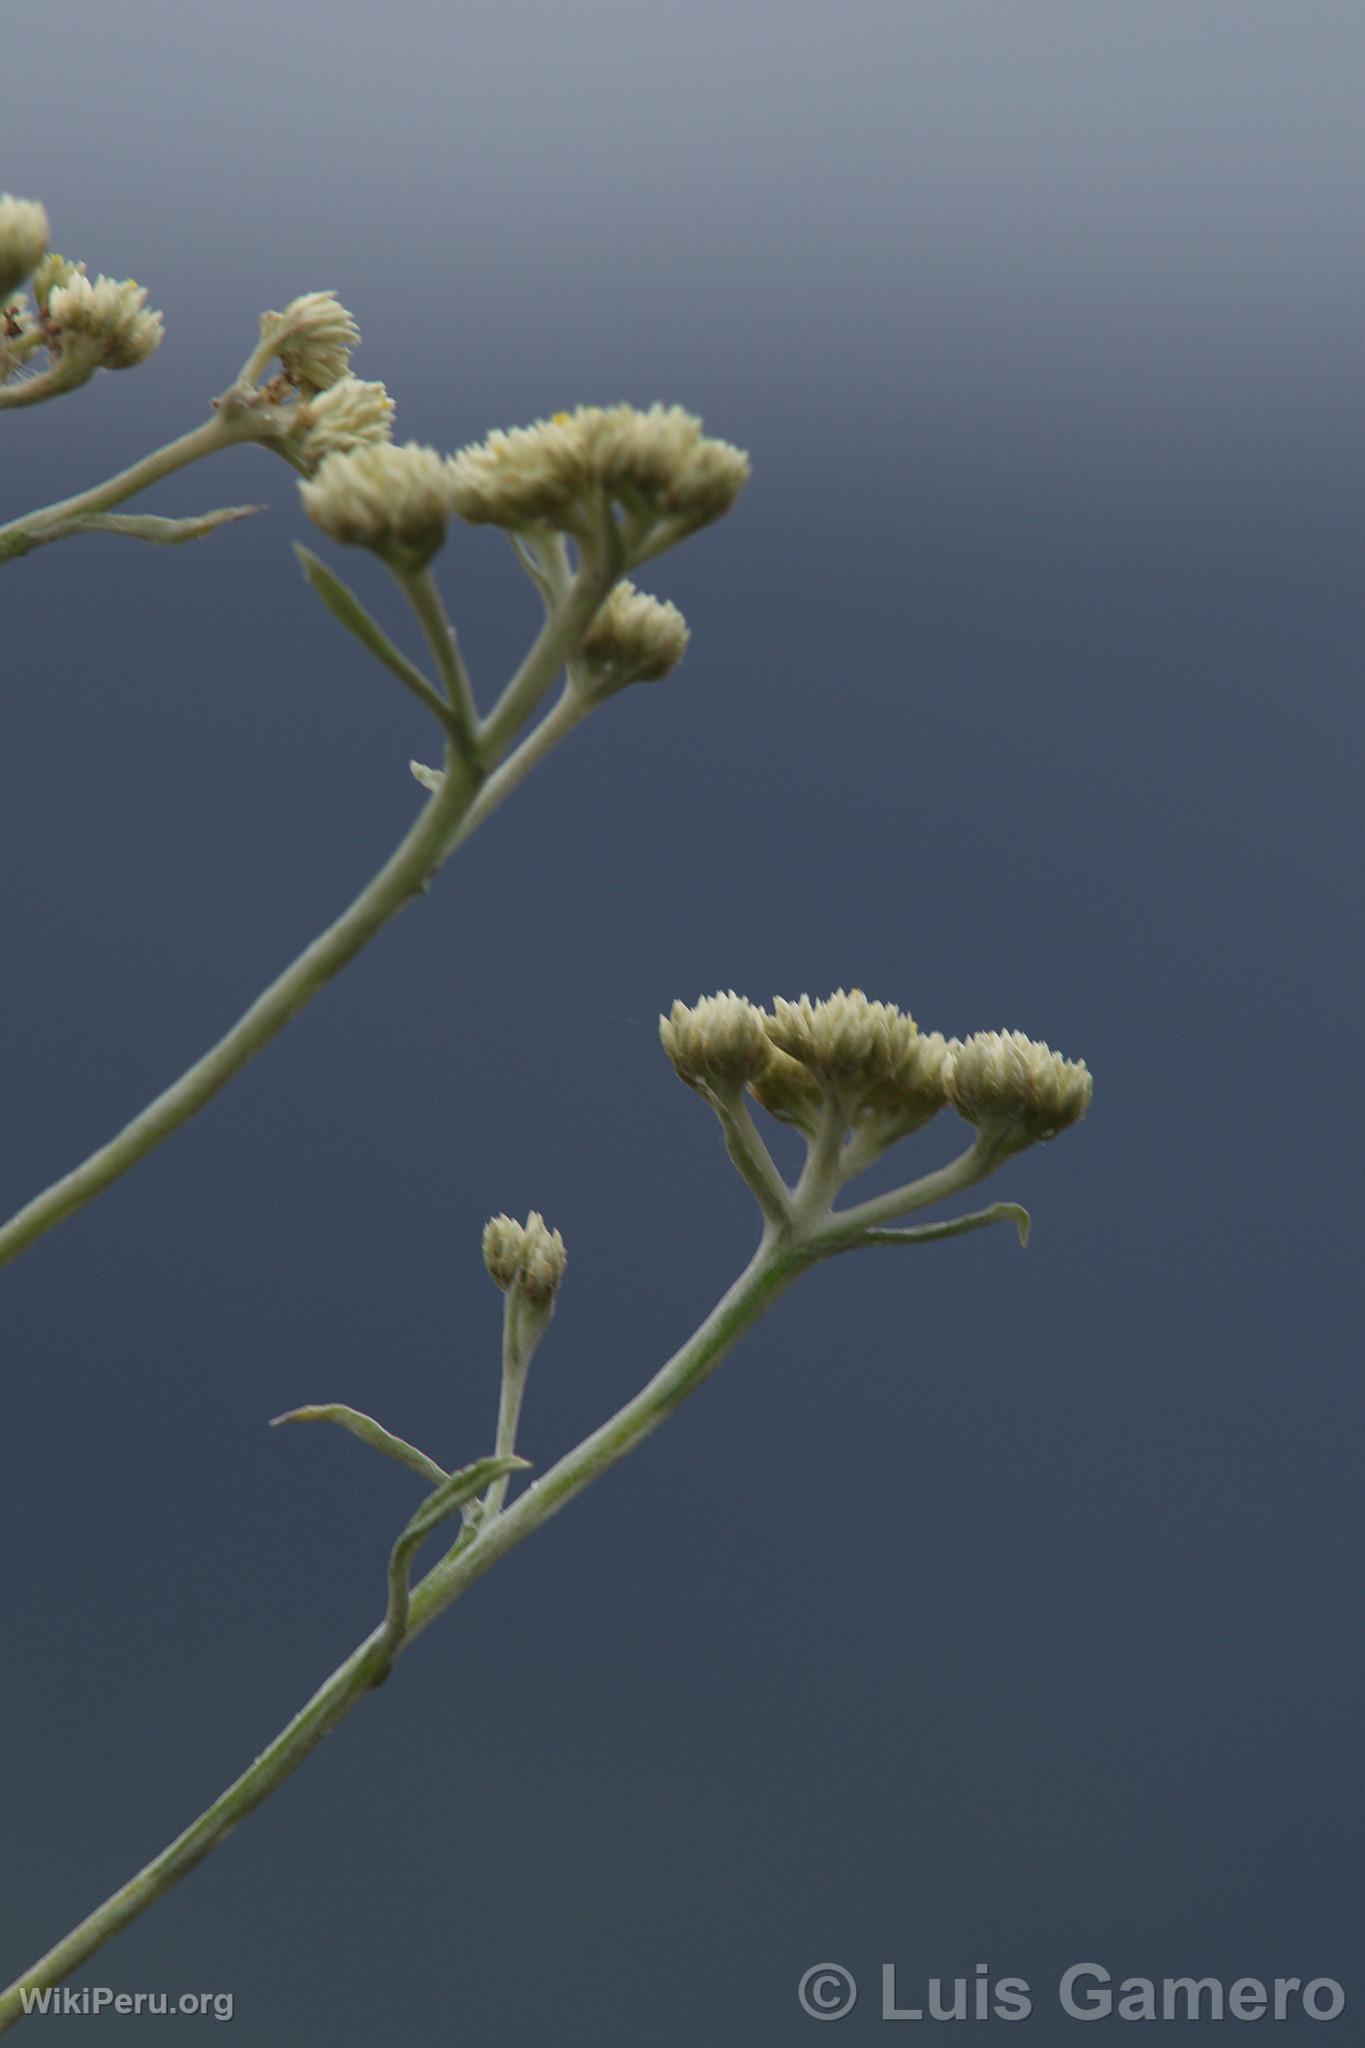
(843, 1225)
(402, 877)
(773, 1267)
(228, 426)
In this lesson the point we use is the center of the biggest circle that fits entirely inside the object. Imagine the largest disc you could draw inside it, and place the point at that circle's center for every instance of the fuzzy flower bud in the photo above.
(719, 1043)
(788, 1092)
(526, 1256)
(633, 639)
(844, 1037)
(657, 464)
(23, 237)
(54, 270)
(869, 1056)
(313, 338)
(660, 460)
(349, 414)
(1015, 1088)
(104, 324)
(528, 476)
(912, 1088)
(394, 500)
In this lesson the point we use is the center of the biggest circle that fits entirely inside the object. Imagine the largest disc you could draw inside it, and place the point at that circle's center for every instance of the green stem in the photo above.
(750, 1156)
(520, 1334)
(773, 1267)
(970, 1166)
(403, 876)
(557, 640)
(228, 426)
(425, 599)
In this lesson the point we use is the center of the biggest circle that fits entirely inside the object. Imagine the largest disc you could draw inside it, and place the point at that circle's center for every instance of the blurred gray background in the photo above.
(989, 1607)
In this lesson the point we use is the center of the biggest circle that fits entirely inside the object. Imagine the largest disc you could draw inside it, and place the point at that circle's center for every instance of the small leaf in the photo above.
(342, 602)
(958, 1226)
(370, 1432)
(165, 533)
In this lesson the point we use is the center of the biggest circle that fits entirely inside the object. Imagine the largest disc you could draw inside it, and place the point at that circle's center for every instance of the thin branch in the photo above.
(403, 876)
(425, 599)
(166, 533)
(970, 1166)
(554, 645)
(750, 1156)
(228, 427)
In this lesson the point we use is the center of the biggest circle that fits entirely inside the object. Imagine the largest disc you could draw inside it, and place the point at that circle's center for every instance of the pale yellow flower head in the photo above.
(720, 1042)
(634, 638)
(524, 477)
(842, 1037)
(349, 414)
(393, 499)
(24, 234)
(657, 465)
(313, 338)
(54, 270)
(1015, 1088)
(105, 324)
(870, 1057)
(788, 1092)
(661, 461)
(526, 1256)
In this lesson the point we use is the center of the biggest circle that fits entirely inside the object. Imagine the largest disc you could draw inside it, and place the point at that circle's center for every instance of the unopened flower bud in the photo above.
(913, 1087)
(788, 1092)
(526, 1256)
(633, 639)
(313, 338)
(349, 414)
(660, 460)
(392, 499)
(527, 476)
(556, 473)
(843, 1037)
(23, 237)
(54, 270)
(1015, 1088)
(104, 325)
(720, 1042)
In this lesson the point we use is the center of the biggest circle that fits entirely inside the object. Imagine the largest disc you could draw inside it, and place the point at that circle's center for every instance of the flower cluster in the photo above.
(718, 1044)
(104, 325)
(528, 1257)
(874, 1067)
(395, 500)
(1017, 1089)
(313, 338)
(347, 415)
(634, 638)
(657, 466)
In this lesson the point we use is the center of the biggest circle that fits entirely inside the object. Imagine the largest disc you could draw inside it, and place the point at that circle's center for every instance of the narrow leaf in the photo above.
(342, 602)
(165, 533)
(370, 1432)
(927, 1233)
